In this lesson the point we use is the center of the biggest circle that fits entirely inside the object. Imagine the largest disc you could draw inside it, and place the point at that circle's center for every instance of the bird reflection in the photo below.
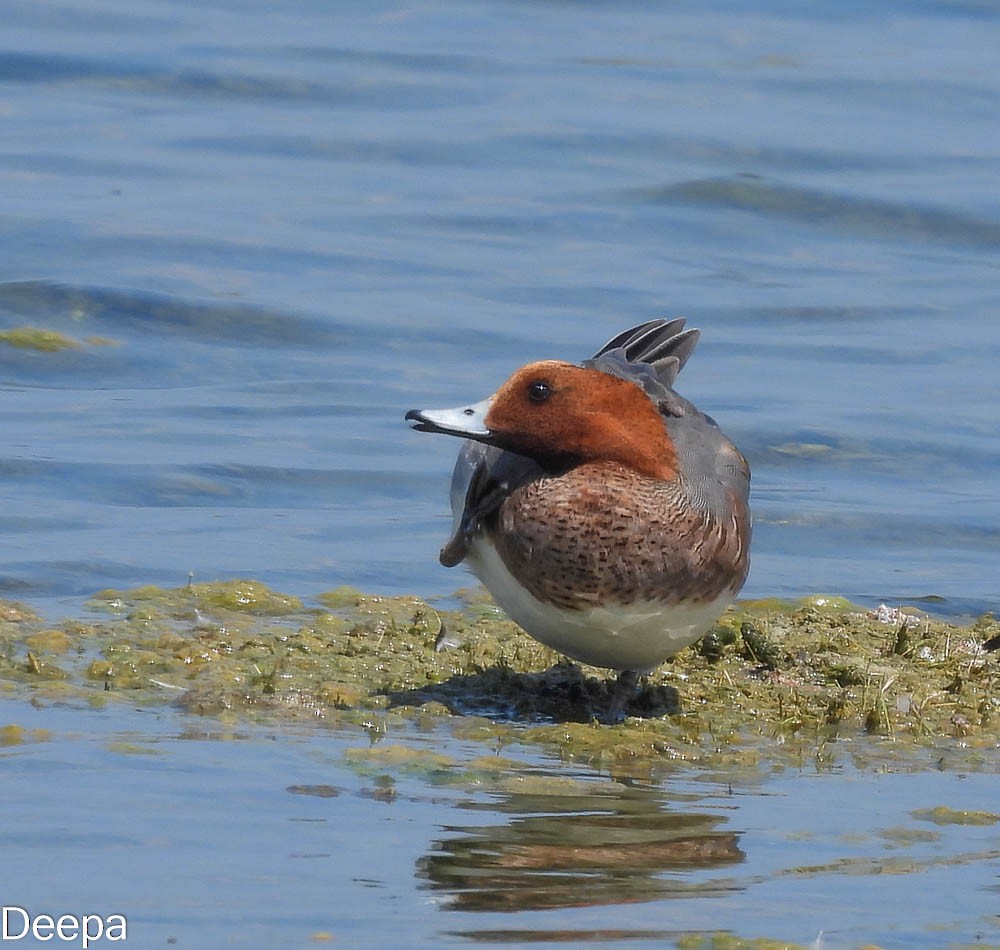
(574, 851)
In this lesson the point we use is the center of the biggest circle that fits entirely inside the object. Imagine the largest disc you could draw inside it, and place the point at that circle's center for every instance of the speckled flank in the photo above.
(603, 533)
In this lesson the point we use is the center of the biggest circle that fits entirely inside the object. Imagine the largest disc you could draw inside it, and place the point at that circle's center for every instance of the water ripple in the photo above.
(144, 80)
(847, 213)
(117, 309)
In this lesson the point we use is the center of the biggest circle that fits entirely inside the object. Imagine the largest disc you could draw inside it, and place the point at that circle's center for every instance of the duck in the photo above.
(605, 514)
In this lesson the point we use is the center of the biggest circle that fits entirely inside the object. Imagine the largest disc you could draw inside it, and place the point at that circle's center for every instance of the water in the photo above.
(295, 223)
(205, 835)
(274, 227)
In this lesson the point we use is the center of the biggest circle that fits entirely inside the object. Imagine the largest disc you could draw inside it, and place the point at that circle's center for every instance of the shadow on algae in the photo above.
(773, 682)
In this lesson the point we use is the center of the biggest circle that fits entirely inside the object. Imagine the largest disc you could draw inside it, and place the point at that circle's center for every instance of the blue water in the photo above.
(297, 221)
(275, 227)
(203, 835)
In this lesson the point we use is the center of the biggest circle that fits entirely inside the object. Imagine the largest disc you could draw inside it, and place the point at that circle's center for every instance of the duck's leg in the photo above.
(623, 692)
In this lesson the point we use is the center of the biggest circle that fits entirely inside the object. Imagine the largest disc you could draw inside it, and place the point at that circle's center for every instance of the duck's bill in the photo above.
(467, 422)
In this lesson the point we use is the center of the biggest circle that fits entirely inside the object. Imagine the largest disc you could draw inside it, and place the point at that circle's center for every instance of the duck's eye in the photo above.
(539, 391)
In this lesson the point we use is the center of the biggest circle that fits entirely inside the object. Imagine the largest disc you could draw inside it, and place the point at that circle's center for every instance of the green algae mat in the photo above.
(772, 681)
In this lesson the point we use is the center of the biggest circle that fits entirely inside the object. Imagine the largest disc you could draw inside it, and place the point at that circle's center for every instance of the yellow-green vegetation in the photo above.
(48, 341)
(34, 338)
(774, 682)
(943, 815)
(14, 734)
(722, 941)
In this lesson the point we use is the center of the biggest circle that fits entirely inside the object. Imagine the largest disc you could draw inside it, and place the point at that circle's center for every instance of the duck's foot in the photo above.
(624, 691)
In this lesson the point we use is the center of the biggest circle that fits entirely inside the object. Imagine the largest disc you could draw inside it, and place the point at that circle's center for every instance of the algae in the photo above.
(723, 941)
(14, 734)
(942, 815)
(793, 683)
(34, 338)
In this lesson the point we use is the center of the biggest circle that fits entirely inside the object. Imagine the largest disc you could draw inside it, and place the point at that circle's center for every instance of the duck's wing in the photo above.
(651, 355)
(483, 477)
(662, 344)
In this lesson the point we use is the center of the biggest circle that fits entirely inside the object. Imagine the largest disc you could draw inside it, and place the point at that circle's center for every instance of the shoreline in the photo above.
(772, 680)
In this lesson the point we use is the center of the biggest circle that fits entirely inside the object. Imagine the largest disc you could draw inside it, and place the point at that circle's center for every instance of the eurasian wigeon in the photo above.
(606, 515)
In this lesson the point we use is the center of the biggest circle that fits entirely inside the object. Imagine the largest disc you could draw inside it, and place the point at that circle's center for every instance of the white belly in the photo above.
(637, 636)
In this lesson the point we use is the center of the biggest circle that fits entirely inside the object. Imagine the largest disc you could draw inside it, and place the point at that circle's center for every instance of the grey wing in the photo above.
(715, 472)
(650, 355)
(662, 344)
(483, 477)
